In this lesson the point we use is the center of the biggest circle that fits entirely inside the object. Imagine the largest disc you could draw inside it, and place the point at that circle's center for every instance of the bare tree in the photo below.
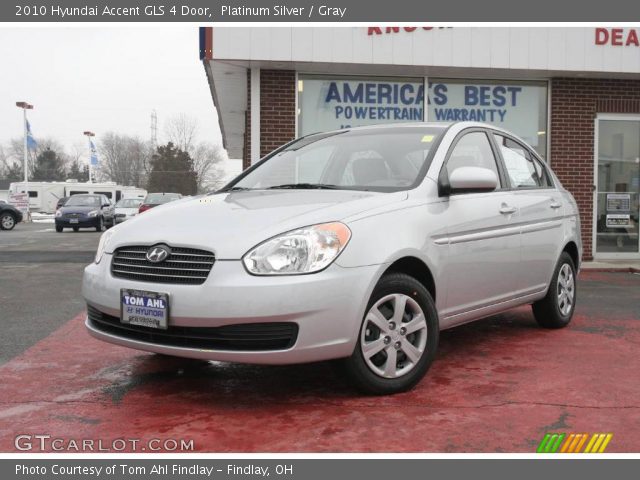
(207, 162)
(16, 152)
(123, 159)
(4, 161)
(181, 130)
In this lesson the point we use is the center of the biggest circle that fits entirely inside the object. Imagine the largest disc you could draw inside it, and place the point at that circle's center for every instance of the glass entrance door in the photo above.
(617, 186)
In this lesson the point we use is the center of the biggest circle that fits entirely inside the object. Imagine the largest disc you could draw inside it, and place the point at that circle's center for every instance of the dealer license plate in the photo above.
(73, 220)
(145, 309)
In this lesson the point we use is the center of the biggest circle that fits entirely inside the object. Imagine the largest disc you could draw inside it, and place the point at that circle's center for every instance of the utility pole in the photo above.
(154, 131)
(25, 106)
(89, 134)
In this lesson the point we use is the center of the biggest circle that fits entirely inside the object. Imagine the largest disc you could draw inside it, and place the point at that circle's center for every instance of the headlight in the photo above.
(93, 213)
(58, 213)
(102, 244)
(306, 250)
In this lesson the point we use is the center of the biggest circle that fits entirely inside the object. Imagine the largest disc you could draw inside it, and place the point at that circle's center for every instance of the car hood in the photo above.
(229, 224)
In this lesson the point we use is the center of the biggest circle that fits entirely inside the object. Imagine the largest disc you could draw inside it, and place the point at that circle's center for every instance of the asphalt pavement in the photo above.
(40, 279)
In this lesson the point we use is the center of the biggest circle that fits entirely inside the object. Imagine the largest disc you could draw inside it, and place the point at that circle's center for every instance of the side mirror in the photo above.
(472, 180)
(106, 205)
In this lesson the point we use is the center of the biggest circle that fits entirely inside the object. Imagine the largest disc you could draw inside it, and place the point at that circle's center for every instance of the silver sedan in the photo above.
(360, 244)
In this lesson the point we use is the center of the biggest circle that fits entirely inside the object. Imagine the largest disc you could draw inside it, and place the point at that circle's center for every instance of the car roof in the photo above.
(408, 125)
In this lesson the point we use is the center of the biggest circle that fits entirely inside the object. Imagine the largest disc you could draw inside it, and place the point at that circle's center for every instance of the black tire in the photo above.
(99, 225)
(356, 366)
(59, 229)
(76, 229)
(548, 311)
(7, 221)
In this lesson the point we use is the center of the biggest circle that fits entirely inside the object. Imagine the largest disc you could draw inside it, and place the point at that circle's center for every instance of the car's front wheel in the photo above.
(99, 225)
(59, 229)
(398, 337)
(7, 221)
(556, 308)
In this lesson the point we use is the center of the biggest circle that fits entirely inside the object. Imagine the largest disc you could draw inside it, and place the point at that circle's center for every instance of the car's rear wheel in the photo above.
(76, 229)
(7, 221)
(398, 337)
(556, 308)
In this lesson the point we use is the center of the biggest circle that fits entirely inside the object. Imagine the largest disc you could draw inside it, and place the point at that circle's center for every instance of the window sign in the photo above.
(342, 102)
(333, 102)
(618, 220)
(519, 108)
(618, 202)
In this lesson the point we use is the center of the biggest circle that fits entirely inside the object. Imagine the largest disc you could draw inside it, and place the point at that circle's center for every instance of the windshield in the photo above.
(129, 203)
(157, 198)
(83, 201)
(384, 160)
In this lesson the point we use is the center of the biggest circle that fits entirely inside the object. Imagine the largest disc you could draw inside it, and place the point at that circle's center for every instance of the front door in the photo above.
(483, 237)
(617, 179)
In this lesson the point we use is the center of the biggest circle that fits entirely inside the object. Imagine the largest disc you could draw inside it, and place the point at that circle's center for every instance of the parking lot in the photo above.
(496, 385)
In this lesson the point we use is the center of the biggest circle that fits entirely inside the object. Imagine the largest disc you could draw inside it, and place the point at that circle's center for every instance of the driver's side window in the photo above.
(472, 150)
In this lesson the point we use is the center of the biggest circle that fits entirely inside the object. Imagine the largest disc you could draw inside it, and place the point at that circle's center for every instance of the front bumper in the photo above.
(327, 308)
(83, 222)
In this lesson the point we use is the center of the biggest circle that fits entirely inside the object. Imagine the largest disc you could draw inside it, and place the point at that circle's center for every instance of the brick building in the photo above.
(572, 93)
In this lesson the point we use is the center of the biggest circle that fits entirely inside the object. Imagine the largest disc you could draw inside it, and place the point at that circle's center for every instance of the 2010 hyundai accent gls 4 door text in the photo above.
(359, 244)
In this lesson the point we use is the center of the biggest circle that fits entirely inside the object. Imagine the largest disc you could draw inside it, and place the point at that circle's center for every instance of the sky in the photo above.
(102, 79)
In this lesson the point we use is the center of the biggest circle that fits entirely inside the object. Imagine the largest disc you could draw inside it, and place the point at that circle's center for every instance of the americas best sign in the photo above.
(334, 103)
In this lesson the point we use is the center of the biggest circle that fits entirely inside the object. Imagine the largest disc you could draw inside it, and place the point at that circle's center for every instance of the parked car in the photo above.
(9, 216)
(126, 208)
(60, 202)
(154, 199)
(359, 244)
(85, 211)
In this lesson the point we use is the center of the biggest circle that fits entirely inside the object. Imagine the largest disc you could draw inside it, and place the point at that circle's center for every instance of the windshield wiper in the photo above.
(234, 189)
(305, 186)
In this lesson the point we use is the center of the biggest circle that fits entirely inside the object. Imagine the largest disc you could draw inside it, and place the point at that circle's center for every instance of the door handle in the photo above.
(507, 210)
(555, 204)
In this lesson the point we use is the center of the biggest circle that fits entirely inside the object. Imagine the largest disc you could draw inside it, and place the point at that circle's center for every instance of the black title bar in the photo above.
(204, 11)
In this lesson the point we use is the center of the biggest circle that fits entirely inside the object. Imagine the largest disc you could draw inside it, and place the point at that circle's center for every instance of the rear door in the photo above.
(483, 235)
(541, 211)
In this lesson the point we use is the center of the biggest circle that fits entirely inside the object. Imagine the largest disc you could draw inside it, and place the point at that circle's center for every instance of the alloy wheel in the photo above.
(566, 289)
(8, 222)
(394, 336)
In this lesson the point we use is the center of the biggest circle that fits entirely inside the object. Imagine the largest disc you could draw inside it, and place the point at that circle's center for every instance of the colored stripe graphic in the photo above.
(573, 443)
(206, 43)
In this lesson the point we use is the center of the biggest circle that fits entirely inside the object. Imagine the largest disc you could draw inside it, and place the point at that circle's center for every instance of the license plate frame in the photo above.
(137, 310)
(74, 220)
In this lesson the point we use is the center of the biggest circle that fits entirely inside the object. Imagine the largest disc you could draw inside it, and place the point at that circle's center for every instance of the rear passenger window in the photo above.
(472, 150)
(523, 170)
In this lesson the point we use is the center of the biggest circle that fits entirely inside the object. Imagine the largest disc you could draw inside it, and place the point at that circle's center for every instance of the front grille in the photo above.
(240, 337)
(187, 266)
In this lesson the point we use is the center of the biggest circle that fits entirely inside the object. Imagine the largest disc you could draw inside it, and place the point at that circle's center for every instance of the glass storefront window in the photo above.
(334, 102)
(331, 103)
(618, 187)
(520, 107)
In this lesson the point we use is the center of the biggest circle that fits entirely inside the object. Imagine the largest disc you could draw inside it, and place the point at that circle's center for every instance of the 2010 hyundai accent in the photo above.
(359, 244)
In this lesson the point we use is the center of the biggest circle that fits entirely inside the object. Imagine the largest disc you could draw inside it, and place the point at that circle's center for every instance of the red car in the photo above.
(155, 199)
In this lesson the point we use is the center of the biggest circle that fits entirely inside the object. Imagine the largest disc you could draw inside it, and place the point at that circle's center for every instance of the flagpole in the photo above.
(25, 106)
(89, 134)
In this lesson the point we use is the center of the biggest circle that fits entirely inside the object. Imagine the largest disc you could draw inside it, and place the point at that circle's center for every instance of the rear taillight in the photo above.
(143, 208)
